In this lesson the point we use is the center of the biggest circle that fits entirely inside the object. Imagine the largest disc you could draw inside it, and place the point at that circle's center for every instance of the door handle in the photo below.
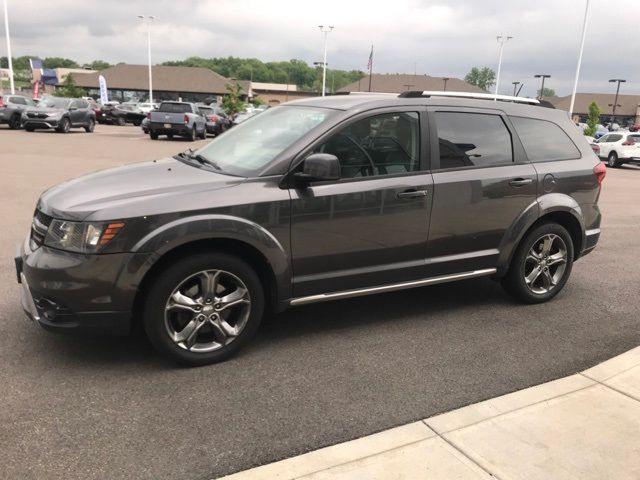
(521, 182)
(412, 194)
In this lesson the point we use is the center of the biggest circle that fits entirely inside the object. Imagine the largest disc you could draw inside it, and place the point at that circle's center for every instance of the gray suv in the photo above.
(11, 108)
(318, 199)
(60, 114)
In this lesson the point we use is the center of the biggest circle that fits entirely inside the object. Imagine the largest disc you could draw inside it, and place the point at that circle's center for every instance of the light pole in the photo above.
(615, 101)
(326, 31)
(147, 19)
(6, 30)
(515, 85)
(501, 40)
(445, 80)
(575, 82)
(542, 76)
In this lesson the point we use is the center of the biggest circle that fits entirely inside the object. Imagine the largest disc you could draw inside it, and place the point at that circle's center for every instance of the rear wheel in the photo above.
(203, 135)
(14, 122)
(612, 160)
(192, 134)
(120, 122)
(541, 264)
(153, 135)
(29, 129)
(203, 308)
(91, 126)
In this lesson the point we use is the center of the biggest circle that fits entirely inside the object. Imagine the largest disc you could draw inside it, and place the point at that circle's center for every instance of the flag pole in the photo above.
(370, 66)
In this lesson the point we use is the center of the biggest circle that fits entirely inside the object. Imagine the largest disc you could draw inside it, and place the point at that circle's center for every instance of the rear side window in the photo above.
(472, 140)
(614, 138)
(544, 141)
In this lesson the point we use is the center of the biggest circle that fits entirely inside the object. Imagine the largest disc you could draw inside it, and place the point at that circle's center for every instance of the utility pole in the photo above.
(325, 31)
(501, 40)
(542, 76)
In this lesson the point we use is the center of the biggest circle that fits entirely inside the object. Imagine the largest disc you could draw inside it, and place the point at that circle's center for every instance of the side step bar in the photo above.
(323, 297)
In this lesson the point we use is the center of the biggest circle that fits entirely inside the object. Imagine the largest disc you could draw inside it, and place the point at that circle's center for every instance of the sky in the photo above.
(434, 37)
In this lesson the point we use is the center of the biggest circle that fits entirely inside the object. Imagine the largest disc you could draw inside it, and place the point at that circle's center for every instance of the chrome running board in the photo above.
(390, 288)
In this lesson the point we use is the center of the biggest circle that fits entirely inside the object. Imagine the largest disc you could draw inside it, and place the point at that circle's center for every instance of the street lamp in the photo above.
(445, 80)
(542, 76)
(615, 102)
(575, 81)
(501, 40)
(147, 19)
(6, 31)
(326, 31)
(515, 85)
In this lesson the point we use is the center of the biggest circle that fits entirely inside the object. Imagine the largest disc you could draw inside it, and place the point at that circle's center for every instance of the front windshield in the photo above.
(250, 146)
(52, 102)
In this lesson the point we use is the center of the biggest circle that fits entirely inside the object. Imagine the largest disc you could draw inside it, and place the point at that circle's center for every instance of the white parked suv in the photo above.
(618, 148)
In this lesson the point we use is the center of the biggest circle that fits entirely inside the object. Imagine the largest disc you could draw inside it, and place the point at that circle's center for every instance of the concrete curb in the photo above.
(578, 427)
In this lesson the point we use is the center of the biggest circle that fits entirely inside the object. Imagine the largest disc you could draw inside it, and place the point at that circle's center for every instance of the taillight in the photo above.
(186, 119)
(2, 104)
(600, 171)
(149, 115)
(595, 148)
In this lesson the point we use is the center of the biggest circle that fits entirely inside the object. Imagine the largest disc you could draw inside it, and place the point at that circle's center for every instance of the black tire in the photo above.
(192, 134)
(120, 122)
(612, 160)
(137, 124)
(170, 136)
(91, 126)
(64, 125)
(165, 283)
(14, 122)
(514, 281)
(29, 129)
(203, 135)
(153, 135)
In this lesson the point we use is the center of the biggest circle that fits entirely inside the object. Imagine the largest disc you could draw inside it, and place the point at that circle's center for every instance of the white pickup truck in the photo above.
(181, 119)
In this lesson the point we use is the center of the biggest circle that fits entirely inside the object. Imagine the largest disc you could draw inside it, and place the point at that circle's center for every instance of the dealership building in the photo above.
(627, 109)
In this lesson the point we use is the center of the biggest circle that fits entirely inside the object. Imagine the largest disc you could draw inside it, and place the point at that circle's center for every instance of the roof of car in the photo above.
(366, 101)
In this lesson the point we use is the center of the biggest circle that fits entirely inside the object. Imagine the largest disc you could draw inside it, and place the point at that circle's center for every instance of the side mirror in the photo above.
(319, 167)
(71, 109)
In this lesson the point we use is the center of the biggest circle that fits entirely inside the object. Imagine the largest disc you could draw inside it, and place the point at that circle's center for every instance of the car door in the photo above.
(75, 113)
(482, 184)
(605, 145)
(370, 227)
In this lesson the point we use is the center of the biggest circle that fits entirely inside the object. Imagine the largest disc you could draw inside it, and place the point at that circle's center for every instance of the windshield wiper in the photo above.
(198, 158)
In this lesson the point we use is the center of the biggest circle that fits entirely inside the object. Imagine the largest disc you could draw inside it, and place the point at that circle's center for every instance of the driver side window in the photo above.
(380, 145)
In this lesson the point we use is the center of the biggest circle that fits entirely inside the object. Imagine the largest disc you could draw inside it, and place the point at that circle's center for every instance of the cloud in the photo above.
(437, 37)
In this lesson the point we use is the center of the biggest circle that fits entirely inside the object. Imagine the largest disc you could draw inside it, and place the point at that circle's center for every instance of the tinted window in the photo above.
(614, 138)
(175, 107)
(634, 138)
(380, 145)
(544, 141)
(83, 104)
(472, 140)
(18, 100)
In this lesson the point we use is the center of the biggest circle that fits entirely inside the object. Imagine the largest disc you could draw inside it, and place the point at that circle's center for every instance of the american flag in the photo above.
(370, 64)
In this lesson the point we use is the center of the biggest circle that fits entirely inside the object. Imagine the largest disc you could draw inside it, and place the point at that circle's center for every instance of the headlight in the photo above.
(54, 115)
(81, 237)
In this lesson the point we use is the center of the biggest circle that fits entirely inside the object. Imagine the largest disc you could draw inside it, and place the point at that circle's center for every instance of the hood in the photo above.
(138, 189)
(47, 110)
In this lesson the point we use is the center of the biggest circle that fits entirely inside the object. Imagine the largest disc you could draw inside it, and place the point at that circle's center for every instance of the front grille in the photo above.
(37, 115)
(39, 228)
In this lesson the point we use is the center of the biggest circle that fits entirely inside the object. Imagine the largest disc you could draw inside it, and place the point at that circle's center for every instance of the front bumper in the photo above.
(175, 129)
(65, 291)
(36, 123)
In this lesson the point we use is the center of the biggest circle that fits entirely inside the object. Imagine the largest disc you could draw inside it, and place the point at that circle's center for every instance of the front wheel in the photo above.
(64, 125)
(541, 264)
(120, 122)
(14, 122)
(203, 308)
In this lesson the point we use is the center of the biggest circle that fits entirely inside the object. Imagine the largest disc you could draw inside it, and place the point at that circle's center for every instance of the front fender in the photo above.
(210, 227)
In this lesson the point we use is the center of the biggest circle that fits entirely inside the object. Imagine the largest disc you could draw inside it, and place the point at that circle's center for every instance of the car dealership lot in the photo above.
(111, 408)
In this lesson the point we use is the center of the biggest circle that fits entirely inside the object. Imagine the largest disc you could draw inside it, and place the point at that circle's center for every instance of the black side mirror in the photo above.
(71, 109)
(319, 167)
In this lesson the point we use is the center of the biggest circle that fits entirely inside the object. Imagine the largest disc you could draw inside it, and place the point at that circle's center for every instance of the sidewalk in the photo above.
(585, 426)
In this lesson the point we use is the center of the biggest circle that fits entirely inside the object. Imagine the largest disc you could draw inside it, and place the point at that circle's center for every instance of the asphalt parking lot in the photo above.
(74, 407)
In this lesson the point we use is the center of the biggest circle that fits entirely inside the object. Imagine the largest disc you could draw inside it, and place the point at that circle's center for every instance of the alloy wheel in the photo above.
(207, 311)
(545, 263)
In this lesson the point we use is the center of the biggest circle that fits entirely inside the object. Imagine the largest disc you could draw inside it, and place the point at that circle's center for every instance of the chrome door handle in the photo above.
(412, 194)
(521, 182)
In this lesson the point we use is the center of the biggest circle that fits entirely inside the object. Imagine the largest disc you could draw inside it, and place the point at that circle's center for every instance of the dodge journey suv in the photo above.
(318, 199)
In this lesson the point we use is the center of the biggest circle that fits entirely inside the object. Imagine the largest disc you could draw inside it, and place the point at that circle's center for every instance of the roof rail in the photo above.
(364, 93)
(480, 96)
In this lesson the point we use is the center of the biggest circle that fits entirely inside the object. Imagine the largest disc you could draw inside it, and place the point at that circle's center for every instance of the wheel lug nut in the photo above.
(218, 305)
(208, 300)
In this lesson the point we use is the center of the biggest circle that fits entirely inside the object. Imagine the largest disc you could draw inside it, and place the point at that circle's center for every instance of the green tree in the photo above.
(547, 92)
(98, 65)
(69, 89)
(593, 120)
(484, 78)
(232, 102)
(59, 62)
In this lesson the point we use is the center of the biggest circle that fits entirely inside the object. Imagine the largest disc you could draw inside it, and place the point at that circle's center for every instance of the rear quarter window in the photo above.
(544, 141)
